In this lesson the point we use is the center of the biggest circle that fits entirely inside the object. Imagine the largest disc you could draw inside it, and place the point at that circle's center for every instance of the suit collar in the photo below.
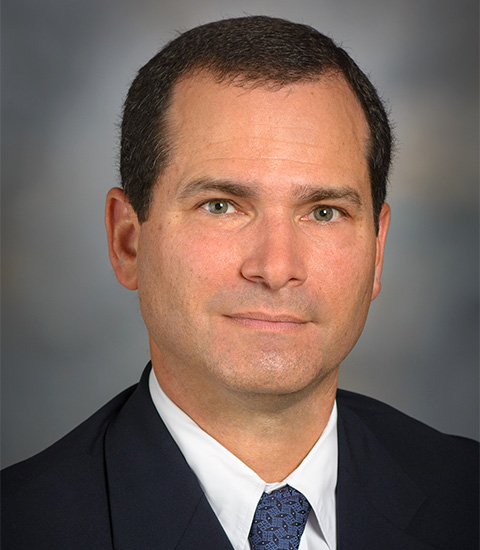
(155, 499)
(376, 500)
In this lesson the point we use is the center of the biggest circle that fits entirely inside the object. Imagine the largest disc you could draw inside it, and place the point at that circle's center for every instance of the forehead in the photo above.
(309, 129)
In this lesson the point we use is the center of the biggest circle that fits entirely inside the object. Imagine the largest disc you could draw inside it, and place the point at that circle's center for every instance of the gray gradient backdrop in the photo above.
(73, 337)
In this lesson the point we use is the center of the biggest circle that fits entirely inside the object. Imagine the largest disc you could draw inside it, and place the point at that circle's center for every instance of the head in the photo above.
(247, 52)
(248, 223)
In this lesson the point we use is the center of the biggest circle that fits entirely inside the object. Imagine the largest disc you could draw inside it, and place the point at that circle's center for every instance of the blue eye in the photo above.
(217, 206)
(324, 213)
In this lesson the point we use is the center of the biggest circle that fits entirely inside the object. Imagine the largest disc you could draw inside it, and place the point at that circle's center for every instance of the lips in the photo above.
(273, 323)
(268, 317)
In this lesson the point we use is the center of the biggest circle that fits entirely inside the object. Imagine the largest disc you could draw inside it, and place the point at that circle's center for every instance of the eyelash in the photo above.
(336, 211)
(225, 201)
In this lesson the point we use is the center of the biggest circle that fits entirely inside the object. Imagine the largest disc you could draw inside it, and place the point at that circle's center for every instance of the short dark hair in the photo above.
(253, 51)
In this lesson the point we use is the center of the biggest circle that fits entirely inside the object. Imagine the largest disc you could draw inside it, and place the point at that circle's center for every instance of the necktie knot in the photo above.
(279, 520)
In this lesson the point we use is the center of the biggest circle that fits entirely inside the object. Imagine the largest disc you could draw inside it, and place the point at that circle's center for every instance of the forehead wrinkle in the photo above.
(252, 138)
(262, 158)
(302, 142)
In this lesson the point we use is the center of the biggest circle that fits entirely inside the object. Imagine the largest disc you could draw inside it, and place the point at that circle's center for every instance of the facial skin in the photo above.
(259, 258)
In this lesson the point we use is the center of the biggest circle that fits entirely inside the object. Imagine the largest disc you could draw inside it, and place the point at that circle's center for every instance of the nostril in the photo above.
(275, 264)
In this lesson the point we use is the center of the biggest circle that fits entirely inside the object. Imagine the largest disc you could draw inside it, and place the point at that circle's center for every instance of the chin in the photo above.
(275, 376)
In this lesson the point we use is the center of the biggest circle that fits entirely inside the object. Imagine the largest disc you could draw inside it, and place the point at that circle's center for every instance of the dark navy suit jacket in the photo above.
(119, 481)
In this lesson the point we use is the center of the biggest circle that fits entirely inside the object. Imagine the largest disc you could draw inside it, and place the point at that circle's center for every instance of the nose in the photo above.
(276, 256)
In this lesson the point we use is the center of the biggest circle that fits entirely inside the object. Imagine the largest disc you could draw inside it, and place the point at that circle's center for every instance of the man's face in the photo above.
(259, 258)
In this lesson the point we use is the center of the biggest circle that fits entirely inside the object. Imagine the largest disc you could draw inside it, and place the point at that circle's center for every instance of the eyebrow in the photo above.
(307, 194)
(224, 186)
(301, 193)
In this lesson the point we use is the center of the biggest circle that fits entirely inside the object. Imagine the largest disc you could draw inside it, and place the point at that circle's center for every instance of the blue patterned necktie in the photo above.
(279, 520)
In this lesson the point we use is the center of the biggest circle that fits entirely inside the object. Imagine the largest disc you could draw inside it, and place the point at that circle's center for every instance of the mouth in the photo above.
(271, 322)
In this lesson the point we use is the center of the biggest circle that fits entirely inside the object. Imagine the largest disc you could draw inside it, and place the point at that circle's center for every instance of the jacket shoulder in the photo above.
(67, 476)
(444, 467)
(423, 482)
(86, 438)
(399, 431)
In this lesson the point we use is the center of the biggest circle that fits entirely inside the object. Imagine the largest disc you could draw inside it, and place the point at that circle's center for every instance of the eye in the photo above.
(218, 206)
(325, 213)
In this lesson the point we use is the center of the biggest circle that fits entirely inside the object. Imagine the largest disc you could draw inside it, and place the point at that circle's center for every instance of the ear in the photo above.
(383, 224)
(123, 231)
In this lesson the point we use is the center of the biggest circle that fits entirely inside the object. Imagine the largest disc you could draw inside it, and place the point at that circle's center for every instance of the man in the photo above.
(252, 221)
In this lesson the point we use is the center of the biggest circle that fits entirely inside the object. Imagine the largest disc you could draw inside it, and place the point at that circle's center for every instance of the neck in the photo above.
(253, 426)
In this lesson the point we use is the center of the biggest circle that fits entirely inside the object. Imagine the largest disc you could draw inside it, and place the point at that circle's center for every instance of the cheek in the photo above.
(184, 273)
(343, 272)
(202, 261)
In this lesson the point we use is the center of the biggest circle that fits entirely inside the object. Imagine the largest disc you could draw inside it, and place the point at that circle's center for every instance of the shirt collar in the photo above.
(233, 489)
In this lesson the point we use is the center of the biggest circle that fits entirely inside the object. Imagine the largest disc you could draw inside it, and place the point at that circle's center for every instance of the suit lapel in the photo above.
(156, 502)
(376, 500)
(155, 499)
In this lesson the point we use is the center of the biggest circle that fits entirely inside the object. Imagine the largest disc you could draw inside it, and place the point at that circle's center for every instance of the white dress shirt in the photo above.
(233, 489)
